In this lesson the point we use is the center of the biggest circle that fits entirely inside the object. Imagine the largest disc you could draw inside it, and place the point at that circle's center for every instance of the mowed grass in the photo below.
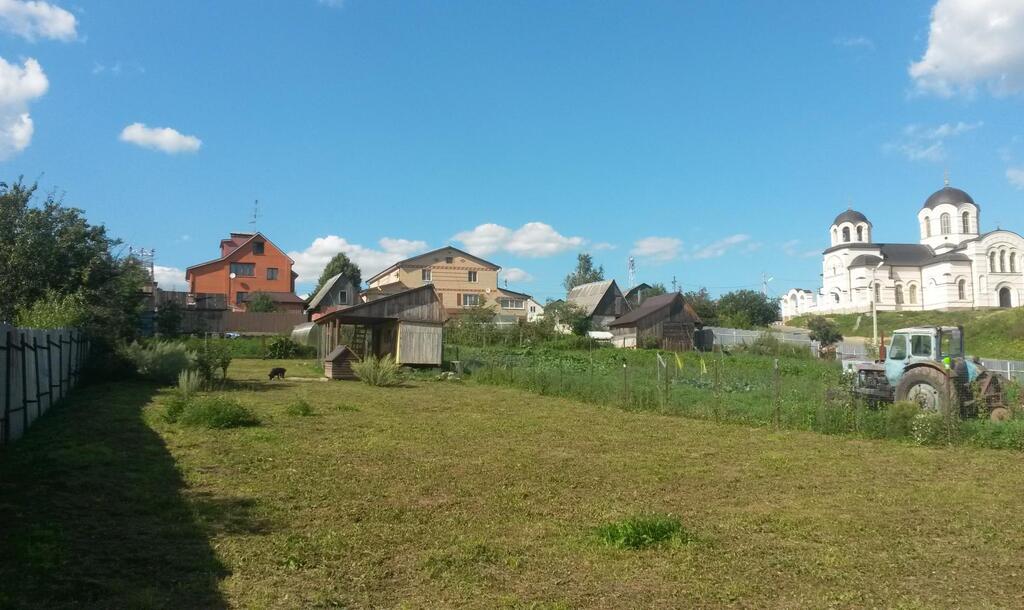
(442, 494)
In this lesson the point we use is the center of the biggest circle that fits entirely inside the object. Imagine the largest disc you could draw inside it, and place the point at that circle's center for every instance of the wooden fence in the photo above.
(37, 369)
(276, 323)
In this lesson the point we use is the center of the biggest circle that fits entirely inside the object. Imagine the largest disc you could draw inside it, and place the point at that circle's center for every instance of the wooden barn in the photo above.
(338, 363)
(407, 325)
(666, 320)
(602, 302)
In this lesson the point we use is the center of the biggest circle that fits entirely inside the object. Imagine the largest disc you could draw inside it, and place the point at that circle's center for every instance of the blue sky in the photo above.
(712, 140)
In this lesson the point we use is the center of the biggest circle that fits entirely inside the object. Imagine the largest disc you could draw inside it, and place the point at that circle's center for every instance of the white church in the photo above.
(954, 266)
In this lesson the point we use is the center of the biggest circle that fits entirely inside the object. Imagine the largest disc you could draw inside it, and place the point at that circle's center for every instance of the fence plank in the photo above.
(37, 368)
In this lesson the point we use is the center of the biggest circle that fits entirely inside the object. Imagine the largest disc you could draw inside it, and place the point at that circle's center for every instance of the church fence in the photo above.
(37, 369)
(1011, 369)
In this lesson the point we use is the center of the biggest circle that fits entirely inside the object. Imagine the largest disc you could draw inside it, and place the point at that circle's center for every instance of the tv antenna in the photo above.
(255, 214)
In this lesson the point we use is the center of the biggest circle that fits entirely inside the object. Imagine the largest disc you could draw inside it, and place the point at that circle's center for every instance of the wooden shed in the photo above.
(338, 363)
(602, 302)
(666, 318)
(407, 325)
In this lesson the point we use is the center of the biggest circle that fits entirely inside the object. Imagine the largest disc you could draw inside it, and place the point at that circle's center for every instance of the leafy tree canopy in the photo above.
(584, 273)
(260, 302)
(747, 309)
(568, 314)
(824, 331)
(343, 265)
(49, 254)
(703, 304)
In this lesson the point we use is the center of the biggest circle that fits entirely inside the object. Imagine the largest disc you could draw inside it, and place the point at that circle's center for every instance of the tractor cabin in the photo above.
(406, 325)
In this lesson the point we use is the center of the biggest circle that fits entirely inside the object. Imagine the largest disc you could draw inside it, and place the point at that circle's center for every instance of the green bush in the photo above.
(213, 412)
(212, 358)
(161, 362)
(934, 429)
(378, 371)
(643, 531)
(282, 347)
(299, 408)
(899, 418)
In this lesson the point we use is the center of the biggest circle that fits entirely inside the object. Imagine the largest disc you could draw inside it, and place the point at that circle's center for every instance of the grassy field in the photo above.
(446, 494)
(992, 333)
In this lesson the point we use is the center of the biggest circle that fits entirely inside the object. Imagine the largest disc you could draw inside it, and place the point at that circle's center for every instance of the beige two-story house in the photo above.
(460, 279)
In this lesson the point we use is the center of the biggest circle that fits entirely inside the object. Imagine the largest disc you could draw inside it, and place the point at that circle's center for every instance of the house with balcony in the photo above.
(460, 279)
(249, 263)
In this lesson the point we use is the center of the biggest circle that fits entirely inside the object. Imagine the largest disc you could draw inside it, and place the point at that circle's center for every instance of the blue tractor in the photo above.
(927, 365)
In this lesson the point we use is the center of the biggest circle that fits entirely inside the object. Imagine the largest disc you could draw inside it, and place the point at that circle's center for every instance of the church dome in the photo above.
(948, 194)
(851, 216)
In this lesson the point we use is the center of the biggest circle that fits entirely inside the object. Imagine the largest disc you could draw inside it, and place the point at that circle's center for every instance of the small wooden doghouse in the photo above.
(338, 364)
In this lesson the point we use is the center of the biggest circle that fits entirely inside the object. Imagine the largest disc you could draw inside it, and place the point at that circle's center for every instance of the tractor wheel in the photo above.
(927, 387)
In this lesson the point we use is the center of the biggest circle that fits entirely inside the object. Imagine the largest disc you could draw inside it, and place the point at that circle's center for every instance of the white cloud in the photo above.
(532, 240)
(718, 248)
(19, 85)
(657, 248)
(515, 274)
(311, 262)
(792, 248)
(924, 143)
(170, 278)
(971, 43)
(602, 245)
(34, 19)
(861, 42)
(1016, 176)
(164, 139)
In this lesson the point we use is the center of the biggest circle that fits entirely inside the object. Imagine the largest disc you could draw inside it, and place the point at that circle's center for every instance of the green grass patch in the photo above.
(215, 412)
(299, 408)
(643, 531)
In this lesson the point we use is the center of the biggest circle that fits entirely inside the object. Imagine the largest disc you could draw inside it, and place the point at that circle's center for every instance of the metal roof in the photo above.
(949, 195)
(588, 296)
(652, 305)
(462, 253)
(320, 294)
(852, 216)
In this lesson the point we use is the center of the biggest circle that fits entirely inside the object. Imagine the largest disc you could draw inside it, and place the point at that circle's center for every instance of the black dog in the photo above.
(277, 372)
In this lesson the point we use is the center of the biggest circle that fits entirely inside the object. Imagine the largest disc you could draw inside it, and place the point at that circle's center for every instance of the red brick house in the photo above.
(248, 263)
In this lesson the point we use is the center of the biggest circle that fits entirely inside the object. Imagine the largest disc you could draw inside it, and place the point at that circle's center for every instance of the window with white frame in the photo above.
(425, 275)
(944, 224)
(509, 303)
(470, 300)
(967, 222)
(471, 276)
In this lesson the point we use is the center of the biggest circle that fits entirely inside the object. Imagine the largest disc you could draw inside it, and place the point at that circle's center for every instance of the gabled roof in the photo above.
(412, 259)
(383, 308)
(513, 293)
(636, 289)
(277, 297)
(230, 254)
(588, 296)
(652, 305)
(320, 294)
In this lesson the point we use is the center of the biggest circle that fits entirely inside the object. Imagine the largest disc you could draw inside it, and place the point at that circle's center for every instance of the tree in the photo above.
(343, 265)
(655, 289)
(584, 273)
(569, 315)
(260, 302)
(824, 331)
(703, 304)
(168, 319)
(747, 309)
(49, 252)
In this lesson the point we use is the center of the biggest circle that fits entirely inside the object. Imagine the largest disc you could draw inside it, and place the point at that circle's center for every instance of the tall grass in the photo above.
(161, 362)
(743, 388)
(378, 371)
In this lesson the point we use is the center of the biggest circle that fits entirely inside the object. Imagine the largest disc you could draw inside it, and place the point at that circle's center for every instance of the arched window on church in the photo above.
(835, 236)
(878, 293)
(961, 290)
(860, 233)
(846, 234)
(967, 222)
(835, 297)
(899, 294)
(944, 224)
(1013, 262)
(913, 294)
(992, 262)
(927, 227)
(1002, 261)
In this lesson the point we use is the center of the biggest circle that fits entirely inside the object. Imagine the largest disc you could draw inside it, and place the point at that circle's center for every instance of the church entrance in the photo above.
(1004, 297)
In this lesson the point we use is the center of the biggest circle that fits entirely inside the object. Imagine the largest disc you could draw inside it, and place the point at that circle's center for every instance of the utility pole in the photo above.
(764, 283)
(675, 284)
(255, 214)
